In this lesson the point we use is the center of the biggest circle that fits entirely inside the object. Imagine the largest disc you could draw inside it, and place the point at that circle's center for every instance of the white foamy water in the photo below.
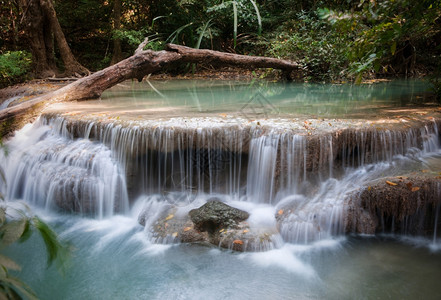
(291, 179)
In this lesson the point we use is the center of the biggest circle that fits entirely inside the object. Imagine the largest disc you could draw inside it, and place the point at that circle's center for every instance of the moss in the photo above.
(7, 126)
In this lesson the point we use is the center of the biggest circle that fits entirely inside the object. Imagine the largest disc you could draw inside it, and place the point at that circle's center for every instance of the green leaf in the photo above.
(259, 19)
(13, 230)
(173, 36)
(2, 175)
(157, 18)
(201, 35)
(26, 233)
(393, 48)
(20, 287)
(359, 78)
(5, 293)
(53, 245)
(377, 65)
(9, 263)
(2, 214)
(235, 24)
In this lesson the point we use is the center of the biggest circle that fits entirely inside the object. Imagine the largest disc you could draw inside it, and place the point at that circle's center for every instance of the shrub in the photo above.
(14, 67)
(312, 42)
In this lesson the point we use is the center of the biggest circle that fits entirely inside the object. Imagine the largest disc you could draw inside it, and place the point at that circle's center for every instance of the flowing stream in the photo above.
(290, 155)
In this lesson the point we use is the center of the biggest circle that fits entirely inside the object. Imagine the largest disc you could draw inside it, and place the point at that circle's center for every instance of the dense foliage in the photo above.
(334, 39)
(14, 67)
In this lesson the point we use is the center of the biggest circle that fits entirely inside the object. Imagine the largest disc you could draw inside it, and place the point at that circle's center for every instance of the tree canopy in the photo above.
(334, 39)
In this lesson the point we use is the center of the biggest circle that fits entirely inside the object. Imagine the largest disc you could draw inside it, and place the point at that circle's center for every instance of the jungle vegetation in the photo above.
(335, 40)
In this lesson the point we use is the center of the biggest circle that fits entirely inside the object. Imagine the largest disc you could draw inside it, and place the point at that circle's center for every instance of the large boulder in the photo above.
(215, 215)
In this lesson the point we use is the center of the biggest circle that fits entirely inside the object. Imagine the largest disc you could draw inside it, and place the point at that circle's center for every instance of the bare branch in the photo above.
(141, 46)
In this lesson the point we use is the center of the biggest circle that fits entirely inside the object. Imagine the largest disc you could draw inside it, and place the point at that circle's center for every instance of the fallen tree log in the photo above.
(142, 63)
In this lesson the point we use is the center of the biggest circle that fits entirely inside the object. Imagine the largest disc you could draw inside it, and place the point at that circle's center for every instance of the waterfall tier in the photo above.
(303, 171)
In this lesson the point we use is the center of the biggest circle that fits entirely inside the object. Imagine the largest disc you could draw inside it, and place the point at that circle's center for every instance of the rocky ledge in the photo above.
(407, 204)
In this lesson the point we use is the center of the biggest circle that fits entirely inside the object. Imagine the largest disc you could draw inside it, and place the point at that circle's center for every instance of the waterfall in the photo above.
(54, 171)
(100, 168)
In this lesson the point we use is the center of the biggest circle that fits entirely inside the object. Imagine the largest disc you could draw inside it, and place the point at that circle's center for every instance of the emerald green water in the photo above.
(256, 99)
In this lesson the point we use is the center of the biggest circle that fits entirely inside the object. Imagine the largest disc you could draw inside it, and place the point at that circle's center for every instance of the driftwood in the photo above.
(142, 63)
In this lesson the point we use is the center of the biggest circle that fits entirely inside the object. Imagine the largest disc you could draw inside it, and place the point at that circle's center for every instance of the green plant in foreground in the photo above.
(16, 225)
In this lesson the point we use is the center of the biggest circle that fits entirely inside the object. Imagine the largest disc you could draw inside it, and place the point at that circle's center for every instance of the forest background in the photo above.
(333, 40)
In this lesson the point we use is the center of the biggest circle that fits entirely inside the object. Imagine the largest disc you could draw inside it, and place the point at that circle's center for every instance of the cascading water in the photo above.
(51, 170)
(299, 179)
(83, 167)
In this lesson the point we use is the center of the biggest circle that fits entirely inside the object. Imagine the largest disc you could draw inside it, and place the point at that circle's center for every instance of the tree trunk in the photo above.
(41, 26)
(49, 45)
(142, 63)
(37, 33)
(71, 65)
(117, 52)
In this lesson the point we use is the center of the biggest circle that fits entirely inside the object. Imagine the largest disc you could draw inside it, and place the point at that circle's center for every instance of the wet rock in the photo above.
(172, 227)
(215, 215)
(214, 223)
(406, 204)
(226, 227)
(244, 238)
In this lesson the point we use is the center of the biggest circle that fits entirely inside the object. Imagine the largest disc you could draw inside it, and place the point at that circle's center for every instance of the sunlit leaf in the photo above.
(26, 233)
(187, 229)
(391, 183)
(415, 188)
(3, 274)
(2, 175)
(234, 23)
(21, 287)
(280, 212)
(9, 263)
(169, 217)
(13, 230)
(2, 215)
(238, 242)
(259, 19)
(393, 48)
